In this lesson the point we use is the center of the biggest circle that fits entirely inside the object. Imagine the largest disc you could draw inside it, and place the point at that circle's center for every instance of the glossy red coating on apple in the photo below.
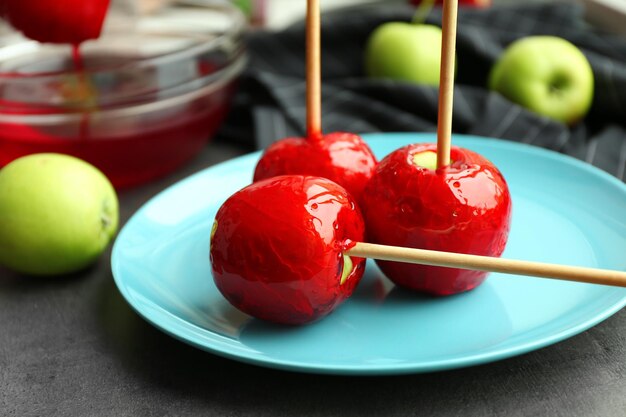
(276, 248)
(464, 208)
(341, 157)
(56, 21)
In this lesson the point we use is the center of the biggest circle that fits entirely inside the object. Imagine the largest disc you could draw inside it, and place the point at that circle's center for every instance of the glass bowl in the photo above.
(139, 102)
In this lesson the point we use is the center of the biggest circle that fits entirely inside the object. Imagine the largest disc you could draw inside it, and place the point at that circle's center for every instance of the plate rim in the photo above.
(369, 369)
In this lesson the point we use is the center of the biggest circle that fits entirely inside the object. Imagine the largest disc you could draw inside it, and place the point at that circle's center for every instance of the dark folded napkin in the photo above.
(270, 103)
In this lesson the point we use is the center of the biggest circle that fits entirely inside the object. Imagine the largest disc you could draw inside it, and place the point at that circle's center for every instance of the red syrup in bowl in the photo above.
(144, 138)
(137, 106)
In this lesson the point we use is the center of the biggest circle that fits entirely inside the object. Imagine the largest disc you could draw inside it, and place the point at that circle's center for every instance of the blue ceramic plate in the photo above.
(564, 211)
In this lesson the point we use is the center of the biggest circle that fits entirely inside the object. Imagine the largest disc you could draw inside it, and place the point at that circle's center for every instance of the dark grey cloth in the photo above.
(271, 105)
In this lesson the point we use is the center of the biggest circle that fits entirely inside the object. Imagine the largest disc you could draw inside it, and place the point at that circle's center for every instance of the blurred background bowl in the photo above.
(142, 100)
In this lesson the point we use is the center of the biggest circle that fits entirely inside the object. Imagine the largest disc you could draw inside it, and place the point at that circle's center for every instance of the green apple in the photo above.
(547, 75)
(404, 51)
(57, 214)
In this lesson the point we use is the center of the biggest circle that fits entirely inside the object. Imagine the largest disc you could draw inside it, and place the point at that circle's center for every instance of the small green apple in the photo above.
(404, 51)
(57, 214)
(547, 75)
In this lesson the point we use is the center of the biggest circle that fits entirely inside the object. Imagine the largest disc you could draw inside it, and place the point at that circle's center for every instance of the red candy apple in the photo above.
(342, 157)
(276, 248)
(56, 21)
(464, 207)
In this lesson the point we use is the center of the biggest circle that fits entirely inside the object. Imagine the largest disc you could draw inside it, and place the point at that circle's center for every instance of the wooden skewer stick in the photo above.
(446, 82)
(313, 71)
(490, 264)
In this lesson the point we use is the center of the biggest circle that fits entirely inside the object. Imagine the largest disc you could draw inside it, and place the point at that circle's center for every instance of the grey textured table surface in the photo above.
(73, 347)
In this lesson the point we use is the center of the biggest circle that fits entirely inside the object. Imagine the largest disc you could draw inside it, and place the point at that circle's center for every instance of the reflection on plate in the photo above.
(564, 212)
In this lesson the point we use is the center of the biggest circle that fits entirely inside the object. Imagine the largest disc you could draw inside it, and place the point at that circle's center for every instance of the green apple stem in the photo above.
(422, 12)
(446, 81)
(313, 71)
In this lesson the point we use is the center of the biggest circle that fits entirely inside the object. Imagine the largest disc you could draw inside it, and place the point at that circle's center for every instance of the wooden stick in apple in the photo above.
(342, 157)
(464, 208)
(446, 82)
(488, 263)
(313, 71)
